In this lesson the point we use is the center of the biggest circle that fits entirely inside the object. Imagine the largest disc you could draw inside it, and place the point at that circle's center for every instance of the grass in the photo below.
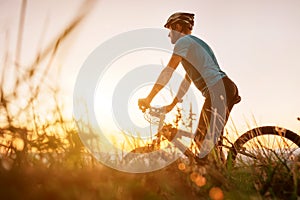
(42, 157)
(100, 182)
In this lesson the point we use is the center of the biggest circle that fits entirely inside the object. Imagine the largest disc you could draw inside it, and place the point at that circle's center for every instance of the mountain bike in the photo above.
(270, 142)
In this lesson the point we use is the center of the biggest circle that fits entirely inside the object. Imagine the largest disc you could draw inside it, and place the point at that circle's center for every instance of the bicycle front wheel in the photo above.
(265, 144)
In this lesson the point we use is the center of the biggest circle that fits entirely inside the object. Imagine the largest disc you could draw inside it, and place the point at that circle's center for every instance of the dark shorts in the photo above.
(219, 101)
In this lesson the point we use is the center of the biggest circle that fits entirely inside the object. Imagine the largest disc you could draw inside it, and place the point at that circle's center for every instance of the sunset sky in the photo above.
(256, 44)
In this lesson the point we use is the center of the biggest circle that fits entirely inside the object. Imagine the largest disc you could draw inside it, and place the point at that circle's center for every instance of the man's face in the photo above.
(174, 35)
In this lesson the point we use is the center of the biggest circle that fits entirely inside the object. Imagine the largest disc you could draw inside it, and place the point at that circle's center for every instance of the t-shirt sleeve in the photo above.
(181, 47)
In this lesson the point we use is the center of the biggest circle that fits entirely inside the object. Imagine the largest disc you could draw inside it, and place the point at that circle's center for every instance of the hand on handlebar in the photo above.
(144, 104)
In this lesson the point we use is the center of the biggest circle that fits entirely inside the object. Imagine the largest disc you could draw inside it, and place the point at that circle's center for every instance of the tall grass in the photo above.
(33, 128)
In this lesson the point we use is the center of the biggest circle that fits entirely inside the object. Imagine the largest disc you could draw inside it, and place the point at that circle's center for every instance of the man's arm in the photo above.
(162, 80)
(165, 76)
(183, 88)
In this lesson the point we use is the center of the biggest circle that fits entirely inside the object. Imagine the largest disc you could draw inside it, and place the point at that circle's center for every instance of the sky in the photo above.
(256, 43)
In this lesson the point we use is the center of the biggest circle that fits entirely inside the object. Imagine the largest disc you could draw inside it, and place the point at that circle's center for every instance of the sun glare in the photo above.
(117, 110)
(127, 79)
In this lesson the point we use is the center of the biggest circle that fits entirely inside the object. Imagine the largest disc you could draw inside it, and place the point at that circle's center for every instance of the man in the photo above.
(203, 70)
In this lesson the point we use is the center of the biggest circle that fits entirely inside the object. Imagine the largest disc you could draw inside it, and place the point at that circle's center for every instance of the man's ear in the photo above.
(178, 27)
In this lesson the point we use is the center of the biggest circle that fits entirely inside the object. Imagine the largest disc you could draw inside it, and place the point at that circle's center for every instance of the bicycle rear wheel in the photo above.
(264, 144)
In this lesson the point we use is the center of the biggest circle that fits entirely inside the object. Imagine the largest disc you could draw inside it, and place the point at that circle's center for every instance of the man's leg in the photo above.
(204, 121)
(215, 113)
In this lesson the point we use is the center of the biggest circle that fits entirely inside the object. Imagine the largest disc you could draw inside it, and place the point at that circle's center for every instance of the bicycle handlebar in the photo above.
(154, 114)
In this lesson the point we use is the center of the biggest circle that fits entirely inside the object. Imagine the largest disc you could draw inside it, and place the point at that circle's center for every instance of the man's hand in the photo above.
(144, 104)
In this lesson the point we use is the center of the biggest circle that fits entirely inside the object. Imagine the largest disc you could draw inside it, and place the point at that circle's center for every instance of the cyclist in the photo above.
(203, 70)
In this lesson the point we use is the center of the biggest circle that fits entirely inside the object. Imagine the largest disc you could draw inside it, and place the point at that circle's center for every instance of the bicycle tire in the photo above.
(238, 145)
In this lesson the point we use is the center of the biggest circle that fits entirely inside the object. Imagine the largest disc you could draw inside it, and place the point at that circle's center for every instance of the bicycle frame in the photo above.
(173, 135)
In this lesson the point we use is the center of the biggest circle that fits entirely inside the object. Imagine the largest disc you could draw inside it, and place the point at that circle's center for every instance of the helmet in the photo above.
(186, 18)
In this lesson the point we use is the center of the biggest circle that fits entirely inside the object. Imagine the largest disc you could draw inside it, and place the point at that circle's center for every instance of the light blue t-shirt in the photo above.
(199, 62)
